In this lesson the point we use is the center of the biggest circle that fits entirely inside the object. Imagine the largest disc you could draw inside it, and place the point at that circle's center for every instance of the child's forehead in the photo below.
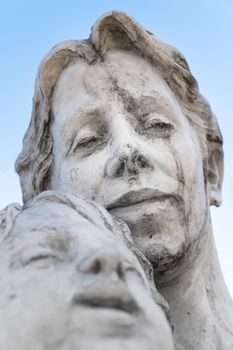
(63, 205)
(78, 214)
(53, 218)
(54, 225)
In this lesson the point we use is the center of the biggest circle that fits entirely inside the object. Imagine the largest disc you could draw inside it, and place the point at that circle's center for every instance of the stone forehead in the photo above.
(122, 74)
(124, 66)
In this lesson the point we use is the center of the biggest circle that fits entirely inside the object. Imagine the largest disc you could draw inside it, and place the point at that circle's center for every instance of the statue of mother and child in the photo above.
(113, 246)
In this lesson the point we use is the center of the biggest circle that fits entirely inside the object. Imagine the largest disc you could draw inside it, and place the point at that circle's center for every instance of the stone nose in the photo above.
(106, 262)
(128, 160)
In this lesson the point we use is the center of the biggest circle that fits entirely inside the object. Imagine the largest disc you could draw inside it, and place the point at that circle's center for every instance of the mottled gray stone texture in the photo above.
(113, 247)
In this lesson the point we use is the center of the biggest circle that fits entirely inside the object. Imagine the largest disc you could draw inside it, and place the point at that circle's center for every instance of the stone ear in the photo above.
(215, 170)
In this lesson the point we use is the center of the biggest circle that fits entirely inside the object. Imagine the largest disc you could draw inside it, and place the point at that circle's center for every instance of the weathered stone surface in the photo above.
(118, 119)
(71, 279)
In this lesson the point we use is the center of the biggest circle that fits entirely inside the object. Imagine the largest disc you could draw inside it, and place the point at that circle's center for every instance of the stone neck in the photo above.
(200, 306)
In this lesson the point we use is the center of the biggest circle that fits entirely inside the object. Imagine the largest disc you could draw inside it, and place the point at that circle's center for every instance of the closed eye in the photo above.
(49, 257)
(156, 125)
(43, 259)
(159, 124)
(85, 142)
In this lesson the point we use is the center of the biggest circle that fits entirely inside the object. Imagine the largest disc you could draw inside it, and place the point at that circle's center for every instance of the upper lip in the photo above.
(138, 196)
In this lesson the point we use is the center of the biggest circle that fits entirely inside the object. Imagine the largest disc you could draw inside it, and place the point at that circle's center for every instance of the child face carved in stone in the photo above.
(69, 281)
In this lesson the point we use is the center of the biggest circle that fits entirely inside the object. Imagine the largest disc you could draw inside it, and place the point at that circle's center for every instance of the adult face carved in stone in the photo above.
(68, 282)
(121, 139)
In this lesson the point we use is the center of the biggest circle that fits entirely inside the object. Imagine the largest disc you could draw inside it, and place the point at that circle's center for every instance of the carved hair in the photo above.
(113, 30)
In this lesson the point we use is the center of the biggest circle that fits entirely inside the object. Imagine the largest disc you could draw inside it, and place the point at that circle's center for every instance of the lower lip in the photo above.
(109, 319)
(158, 201)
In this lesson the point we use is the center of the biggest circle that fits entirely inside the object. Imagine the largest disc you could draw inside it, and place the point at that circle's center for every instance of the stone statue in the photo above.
(118, 119)
(73, 281)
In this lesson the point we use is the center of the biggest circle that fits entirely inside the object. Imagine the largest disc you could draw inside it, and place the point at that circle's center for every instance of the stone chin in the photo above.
(159, 231)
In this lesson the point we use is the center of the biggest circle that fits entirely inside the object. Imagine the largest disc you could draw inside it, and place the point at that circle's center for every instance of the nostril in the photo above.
(94, 267)
(120, 271)
(143, 162)
(121, 169)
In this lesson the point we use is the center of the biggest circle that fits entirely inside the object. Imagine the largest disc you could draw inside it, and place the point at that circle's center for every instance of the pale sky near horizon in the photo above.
(202, 30)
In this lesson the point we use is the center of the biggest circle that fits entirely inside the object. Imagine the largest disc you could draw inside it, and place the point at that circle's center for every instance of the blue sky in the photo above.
(202, 30)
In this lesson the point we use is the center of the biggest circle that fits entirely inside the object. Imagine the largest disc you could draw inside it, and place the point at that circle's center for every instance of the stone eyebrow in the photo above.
(142, 104)
(86, 111)
(152, 103)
